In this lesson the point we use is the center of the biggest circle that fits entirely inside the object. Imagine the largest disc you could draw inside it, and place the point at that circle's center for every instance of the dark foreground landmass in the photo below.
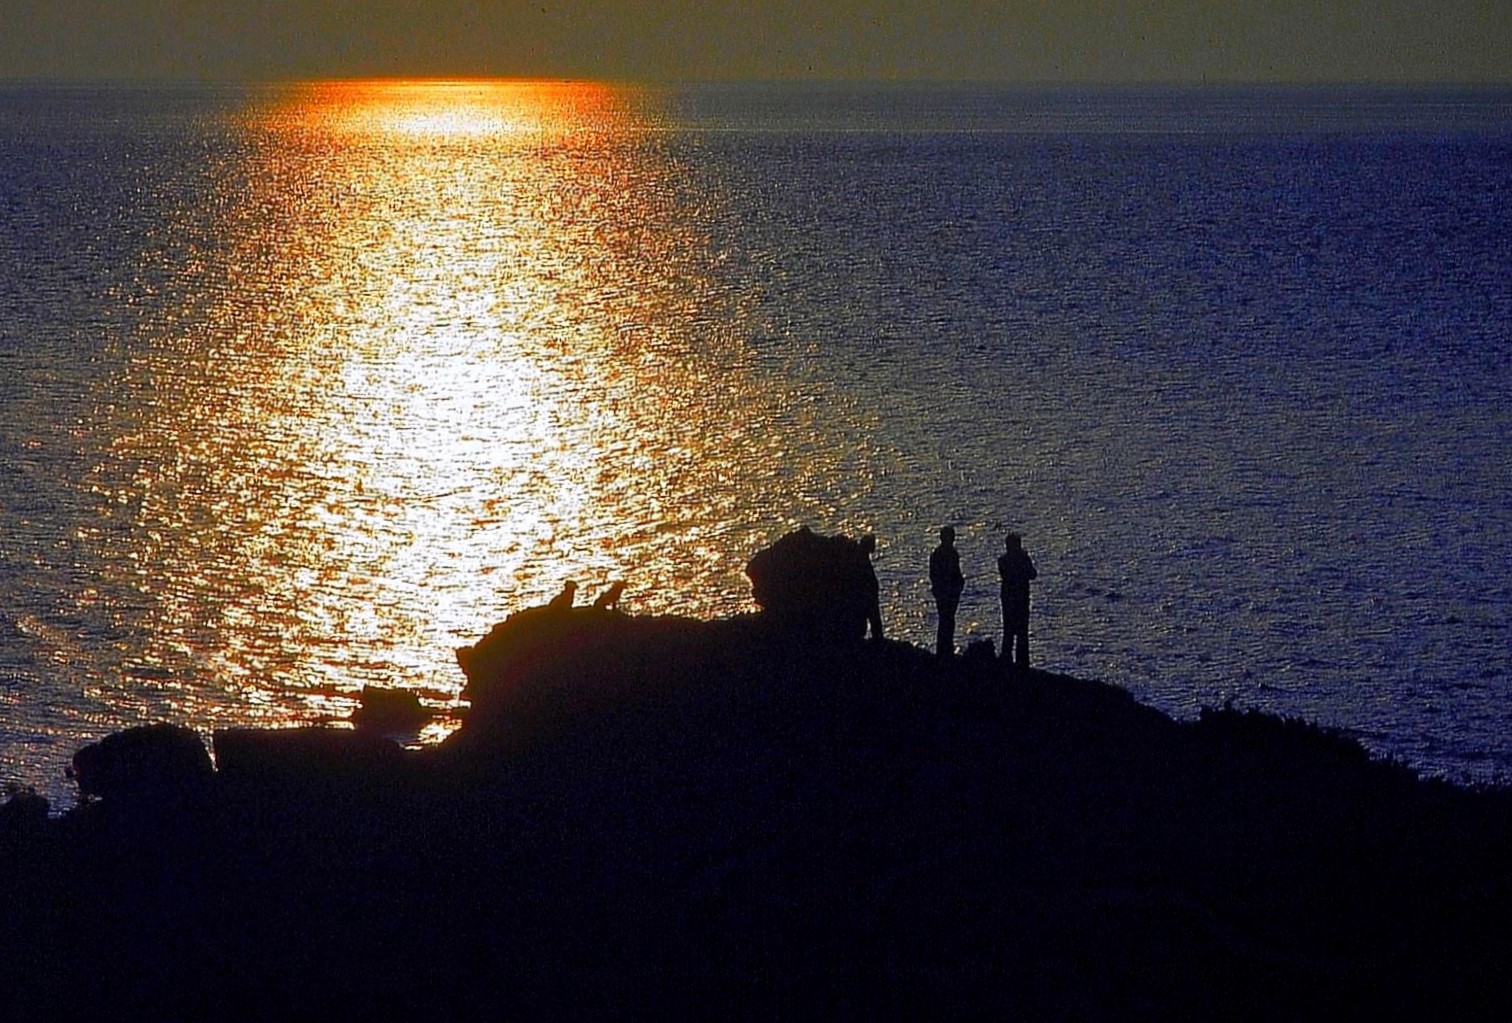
(666, 818)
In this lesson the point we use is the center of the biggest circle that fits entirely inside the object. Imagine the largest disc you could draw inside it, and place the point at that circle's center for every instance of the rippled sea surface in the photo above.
(301, 387)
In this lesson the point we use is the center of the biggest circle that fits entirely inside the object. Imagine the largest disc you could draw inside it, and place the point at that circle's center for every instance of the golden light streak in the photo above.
(449, 348)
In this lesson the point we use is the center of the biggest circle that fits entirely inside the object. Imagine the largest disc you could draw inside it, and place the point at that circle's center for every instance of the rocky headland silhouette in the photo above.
(762, 816)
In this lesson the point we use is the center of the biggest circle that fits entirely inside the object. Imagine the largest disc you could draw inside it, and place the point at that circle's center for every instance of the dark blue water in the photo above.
(1243, 370)
(1236, 363)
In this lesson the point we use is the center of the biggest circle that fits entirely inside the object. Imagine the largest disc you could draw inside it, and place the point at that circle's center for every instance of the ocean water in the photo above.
(301, 387)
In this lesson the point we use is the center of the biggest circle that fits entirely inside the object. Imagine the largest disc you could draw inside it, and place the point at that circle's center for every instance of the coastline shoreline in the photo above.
(732, 816)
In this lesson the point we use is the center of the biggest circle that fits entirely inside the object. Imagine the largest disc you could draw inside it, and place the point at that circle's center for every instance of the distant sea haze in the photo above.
(303, 387)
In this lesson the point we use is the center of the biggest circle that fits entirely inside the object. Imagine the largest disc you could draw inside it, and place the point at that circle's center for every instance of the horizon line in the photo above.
(804, 80)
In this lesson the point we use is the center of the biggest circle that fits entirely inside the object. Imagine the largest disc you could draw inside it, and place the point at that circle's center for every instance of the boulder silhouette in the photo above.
(303, 756)
(390, 710)
(149, 760)
(22, 812)
(812, 583)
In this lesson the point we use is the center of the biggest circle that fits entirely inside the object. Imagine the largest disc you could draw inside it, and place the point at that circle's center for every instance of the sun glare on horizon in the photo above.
(462, 108)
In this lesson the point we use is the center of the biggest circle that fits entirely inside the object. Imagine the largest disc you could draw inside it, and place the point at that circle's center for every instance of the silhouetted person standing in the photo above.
(1017, 570)
(946, 584)
(871, 591)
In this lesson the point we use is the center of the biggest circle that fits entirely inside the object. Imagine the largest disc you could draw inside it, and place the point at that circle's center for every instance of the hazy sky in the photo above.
(1029, 40)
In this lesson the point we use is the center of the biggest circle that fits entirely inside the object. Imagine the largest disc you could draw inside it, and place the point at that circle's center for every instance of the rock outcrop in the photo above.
(813, 583)
(758, 818)
(148, 762)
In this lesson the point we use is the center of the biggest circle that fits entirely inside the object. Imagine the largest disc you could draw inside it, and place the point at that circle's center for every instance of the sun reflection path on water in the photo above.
(460, 345)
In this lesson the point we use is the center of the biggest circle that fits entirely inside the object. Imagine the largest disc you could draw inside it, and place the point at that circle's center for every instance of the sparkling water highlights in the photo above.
(303, 387)
(405, 357)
